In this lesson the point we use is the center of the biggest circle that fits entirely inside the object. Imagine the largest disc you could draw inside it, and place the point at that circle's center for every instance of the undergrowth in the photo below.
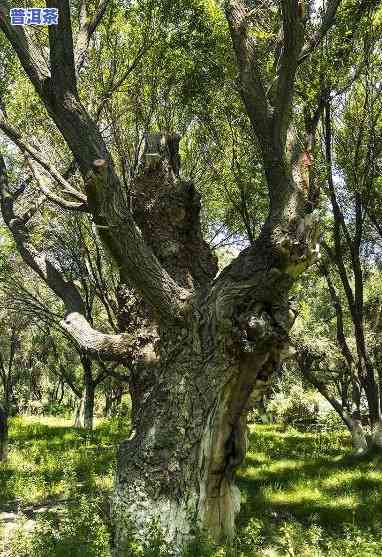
(302, 495)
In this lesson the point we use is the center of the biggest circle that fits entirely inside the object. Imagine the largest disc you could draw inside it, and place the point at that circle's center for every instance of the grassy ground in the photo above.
(302, 496)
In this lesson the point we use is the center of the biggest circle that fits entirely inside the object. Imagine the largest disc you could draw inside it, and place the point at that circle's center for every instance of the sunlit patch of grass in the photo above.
(277, 495)
(292, 478)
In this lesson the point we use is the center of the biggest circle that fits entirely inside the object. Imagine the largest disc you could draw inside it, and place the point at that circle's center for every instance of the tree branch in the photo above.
(305, 368)
(106, 197)
(109, 371)
(42, 183)
(16, 137)
(293, 30)
(90, 341)
(251, 85)
(86, 31)
(26, 50)
(339, 221)
(61, 50)
(142, 51)
(341, 339)
(327, 22)
(62, 373)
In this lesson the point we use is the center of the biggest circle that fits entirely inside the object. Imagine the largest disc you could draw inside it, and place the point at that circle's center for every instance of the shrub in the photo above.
(330, 421)
(298, 407)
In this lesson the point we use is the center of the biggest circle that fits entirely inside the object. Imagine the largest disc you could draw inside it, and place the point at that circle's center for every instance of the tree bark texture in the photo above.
(189, 428)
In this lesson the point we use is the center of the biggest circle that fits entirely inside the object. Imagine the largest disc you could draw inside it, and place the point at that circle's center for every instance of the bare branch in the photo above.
(90, 341)
(43, 184)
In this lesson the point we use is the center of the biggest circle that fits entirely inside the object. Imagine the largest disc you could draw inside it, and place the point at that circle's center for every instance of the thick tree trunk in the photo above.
(3, 433)
(190, 387)
(189, 432)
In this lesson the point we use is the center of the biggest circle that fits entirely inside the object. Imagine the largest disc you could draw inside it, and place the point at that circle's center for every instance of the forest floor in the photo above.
(302, 494)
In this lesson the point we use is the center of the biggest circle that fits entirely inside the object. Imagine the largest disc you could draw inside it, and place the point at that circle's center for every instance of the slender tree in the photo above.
(351, 229)
(12, 371)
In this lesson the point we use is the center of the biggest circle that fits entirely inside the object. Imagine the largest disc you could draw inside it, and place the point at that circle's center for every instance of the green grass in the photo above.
(309, 481)
(49, 458)
(302, 494)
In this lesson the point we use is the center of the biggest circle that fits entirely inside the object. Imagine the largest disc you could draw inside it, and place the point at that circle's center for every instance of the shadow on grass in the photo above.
(280, 482)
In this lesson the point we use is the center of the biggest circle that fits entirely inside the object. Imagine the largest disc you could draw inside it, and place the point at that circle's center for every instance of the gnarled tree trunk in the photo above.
(189, 426)
(191, 385)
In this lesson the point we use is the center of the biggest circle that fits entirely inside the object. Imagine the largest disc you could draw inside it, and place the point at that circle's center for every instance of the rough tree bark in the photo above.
(205, 343)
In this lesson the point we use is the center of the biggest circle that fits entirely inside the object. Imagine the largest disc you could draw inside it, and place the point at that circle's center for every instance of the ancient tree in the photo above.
(204, 343)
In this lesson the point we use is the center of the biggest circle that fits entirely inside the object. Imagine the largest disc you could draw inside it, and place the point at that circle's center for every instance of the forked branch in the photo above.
(14, 135)
(87, 28)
